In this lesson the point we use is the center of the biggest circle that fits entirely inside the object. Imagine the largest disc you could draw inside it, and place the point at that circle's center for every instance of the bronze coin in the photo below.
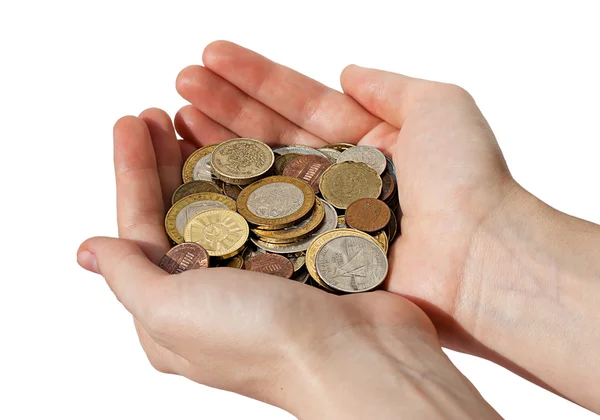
(368, 215)
(387, 188)
(282, 161)
(308, 168)
(231, 190)
(183, 257)
(274, 264)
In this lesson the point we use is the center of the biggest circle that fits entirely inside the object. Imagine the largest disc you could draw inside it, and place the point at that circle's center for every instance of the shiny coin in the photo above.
(365, 154)
(194, 187)
(368, 214)
(197, 166)
(276, 202)
(282, 161)
(331, 154)
(231, 191)
(184, 257)
(276, 265)
(223, 233)
(346, 182)
(301, 150)
(340, 146)
(308, 168)
(388, 187)
(241, 161)
(382, 240)
(351, 264)
(296, 232)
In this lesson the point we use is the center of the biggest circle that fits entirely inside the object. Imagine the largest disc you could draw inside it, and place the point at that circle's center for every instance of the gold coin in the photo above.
(297, 262)
(341, 223)
(340, 146)
(296, 232)
(282, 161)
(183, 210)
(194, 187)
(241, 161)
(276, 202)
(382, 240)
(322, 239)
(236, 262)
(343, 183)
(197, 166)
(223, 233)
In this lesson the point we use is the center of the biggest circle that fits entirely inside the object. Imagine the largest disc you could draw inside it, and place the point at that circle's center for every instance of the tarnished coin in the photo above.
(197, 166)
(223, 233)
(301, 150)
(368, 214)
(186, 208)
(281, 161)
(382, 240)
(392, 227)
(276, 202)
(296, 232)
(236, 262)
(365, 154)
(331, 154)
(276, 265)
(183, 257)
(391, 168)
(388, 187)
(346, 182)
(308, 168)
(340, 146)
(232, 191)
(194, 187)
(241, 161)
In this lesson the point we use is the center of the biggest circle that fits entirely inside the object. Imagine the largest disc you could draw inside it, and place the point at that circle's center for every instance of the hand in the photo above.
(265, 337)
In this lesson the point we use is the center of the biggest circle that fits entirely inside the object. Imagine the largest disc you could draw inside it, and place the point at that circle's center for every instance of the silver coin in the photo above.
(331, 154)
(365, 154)
(301, 150)
(329, 223)
(193, 209)
(351, 264)
(275, 200)
(202, 169)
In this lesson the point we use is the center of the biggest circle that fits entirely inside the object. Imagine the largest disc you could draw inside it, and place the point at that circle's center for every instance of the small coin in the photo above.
(388, 187)
(232, 191)
(341, 224)
(368, 214)
(276, 265)
(332, 154)
(382, 240)
(308, 168)
(351, 264)
(241, 161)
(282, 161)
(235, 262)
(298, 231)
(223, 233)
(302, 276)
(301, 150)
(365, 154)
(194, 187)
(183, 257)
(197, 166)
(298, 262)
(340, 146)
(346, 182)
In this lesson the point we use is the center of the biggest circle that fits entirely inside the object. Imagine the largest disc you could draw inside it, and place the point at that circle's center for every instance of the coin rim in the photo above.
(187, 172)
(173, 201)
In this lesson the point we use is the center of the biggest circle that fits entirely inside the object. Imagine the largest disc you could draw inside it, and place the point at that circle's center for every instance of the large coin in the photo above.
(241, 161)
(276, 265)
(296, 232)
(368, 214)
(197, 166)
(351, 264)
(365, 154)
(223, 233)
(186, 208)
(346, 182)
(282, 161)
(331, 154)
(301, 150)
(308, 168)
(194, 187)
(276, 202)
(183, 257)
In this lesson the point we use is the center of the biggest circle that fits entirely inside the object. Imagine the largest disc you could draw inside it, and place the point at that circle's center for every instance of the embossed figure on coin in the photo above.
(183, 257)
(276, 200)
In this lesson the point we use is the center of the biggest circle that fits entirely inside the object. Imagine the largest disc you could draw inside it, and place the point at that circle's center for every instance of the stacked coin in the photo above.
(324, 217)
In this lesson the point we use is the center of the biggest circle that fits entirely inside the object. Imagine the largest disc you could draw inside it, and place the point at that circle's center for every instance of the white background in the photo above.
(69, 70)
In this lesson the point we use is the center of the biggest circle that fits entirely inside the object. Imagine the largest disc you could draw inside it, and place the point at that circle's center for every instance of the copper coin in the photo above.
(183, 257)
(231, 191)
(274, 264)
(388, 186)
(308, 168)
(368, 215)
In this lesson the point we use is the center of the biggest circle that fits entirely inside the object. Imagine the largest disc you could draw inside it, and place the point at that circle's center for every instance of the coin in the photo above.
(302, 276)
(392, 227)
(183, 210)
(308, 168)
(282, 161)
(341, 223)
(221, 232)
(331, 154)
(388, 187)
(183, 257)
(276, 265)
(276, 202)
(340, 146)
(382, 240)
(241, 161)
(197, 166)
(365, 154)
(194, 187)
(297, 231)
(351, 264)
(232, 191)
(301, 150)
(297, 262)
(235, 262)
(368, 214)
(346, 182)
(391, 168)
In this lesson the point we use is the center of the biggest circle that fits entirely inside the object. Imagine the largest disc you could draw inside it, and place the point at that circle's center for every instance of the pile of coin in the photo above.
(324, 217)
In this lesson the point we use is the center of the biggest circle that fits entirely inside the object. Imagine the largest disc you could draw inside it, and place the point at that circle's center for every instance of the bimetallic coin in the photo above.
(194, 187)
(296, 232)
(341, 146)
(368, 214)
(308, 168)
(331, 154)
(301, 150)
(365, 154)
(184, 257)
(197, 166)
(282, 161)
(223, 233)
(241, 161)
(276, 265)
(388, 187)
(231, 191)
(346, 182)
(351, 264)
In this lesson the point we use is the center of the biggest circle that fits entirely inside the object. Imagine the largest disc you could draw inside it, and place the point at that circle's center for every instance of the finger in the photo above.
(197, 127)
(235, 110)
(318, 109)
(166, 151)
(187, 148)
(140, 208)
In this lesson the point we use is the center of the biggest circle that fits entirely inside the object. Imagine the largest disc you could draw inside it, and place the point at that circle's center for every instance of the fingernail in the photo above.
(88, 261)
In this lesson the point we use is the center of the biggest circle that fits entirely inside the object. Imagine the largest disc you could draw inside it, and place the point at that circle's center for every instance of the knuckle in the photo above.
(454, 92)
